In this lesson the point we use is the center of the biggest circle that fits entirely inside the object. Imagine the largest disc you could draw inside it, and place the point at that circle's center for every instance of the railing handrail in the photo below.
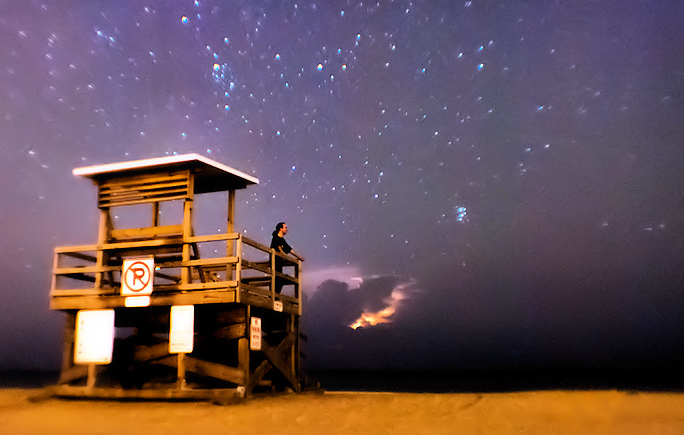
(236, 261)
(268, 250)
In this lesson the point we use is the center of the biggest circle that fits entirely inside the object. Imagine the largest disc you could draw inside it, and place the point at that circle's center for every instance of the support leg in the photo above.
(92, 376)
(243, 351)
(68, 344)
(180, 383)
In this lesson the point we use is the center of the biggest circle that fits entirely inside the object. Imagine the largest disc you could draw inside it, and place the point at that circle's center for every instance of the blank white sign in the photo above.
(181, 335)
(94, 337)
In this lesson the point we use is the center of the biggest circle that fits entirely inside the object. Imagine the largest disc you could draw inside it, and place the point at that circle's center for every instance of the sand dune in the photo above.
(547, 412)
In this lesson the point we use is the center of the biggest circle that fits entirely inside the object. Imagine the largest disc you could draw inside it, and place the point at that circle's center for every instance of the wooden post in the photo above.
(92, 373)
(180, 384)
(243, 349)
(155, 214)
(231, 211)
(292, 329)
(273, 274)
(69, 343)
(53, 280)
(230, 228)
(102, 236)
(298, 286)
(297, 354)
(187, 229)
(238, 268)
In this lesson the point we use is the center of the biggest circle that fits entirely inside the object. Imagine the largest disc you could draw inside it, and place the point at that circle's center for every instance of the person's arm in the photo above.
(299, 257)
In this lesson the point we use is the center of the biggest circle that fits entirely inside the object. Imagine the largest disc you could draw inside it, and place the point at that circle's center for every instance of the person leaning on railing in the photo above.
(280, 245)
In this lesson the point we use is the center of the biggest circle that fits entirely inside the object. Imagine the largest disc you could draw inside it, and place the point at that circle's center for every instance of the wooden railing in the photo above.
(238, 270)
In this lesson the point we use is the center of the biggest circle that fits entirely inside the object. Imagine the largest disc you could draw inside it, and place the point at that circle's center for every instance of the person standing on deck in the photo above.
(280, 245)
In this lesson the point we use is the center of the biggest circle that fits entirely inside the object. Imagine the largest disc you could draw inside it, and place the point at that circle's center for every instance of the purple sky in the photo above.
(517, 166)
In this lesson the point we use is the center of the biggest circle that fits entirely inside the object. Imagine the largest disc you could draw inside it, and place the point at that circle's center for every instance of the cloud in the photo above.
(313, 280)
(335, 306)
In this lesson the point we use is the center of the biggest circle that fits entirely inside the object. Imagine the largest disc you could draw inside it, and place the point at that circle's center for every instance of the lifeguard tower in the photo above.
(156, 311)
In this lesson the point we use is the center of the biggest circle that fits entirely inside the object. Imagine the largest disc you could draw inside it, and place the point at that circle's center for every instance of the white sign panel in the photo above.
(181, 335)
(94, 337)
(278, 306)
(137, 277)
(255, 334)
(136, 301)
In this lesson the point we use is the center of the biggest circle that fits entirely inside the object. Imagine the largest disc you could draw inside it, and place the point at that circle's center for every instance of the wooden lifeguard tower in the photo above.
(155, 311)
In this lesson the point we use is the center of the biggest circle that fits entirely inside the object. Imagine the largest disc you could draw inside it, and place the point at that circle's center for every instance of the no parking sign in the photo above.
(137, 281)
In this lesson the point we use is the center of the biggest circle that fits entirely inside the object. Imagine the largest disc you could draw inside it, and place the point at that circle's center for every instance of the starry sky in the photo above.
(504, 179)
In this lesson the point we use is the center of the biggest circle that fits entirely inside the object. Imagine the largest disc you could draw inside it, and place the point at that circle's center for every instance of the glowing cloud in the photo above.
(382, 316)
(369, 318)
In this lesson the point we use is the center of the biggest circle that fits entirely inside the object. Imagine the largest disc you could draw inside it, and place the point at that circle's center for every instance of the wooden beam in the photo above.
(78, 255)
(256, 266)
(232, 316)
(73, 373)
(286, 298)
(116, 301)
(144, 189)
(84, 269)
(206, 368)
(209, 285)
(267, 270)
(143, 194)
(257, 376)
(255, 289)
(255, 244)
(68, 250)
(277, 357)
(156, 351)
(231, 332)
(80, 292)
(153, 243)
(131, 233)
(217, 394)
(108, 204)
(256, 280)
(255, 300)
(77, 275)
(213, 238)
(263, 301)
(132, 180)
(175, 279)
(215, 261)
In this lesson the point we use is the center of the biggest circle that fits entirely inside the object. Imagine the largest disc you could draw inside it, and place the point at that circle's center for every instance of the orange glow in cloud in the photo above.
(382, 316)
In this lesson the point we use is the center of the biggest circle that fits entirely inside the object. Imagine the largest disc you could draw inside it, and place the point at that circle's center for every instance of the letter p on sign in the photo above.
(137, 277)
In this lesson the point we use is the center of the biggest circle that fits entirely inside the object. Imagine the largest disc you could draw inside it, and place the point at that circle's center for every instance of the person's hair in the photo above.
(278, 227)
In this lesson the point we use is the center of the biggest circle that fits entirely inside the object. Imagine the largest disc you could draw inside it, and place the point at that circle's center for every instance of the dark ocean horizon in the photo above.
(448, 381)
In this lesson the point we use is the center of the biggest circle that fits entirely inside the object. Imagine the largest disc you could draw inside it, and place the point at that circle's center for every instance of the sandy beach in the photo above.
(543, 412)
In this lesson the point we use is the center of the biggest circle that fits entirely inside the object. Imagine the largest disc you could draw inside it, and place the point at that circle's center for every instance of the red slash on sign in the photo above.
(137, 277)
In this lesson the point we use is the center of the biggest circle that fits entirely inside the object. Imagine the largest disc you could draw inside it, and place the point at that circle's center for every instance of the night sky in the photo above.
(504, 178)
